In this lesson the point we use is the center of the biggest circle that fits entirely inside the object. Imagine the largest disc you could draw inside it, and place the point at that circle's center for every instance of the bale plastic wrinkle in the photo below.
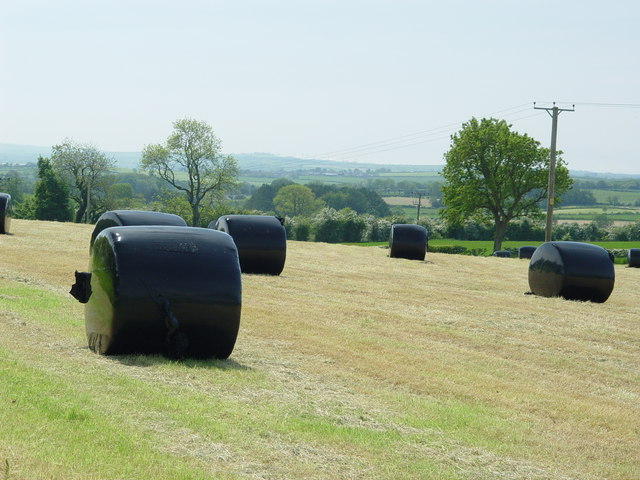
(177, 342)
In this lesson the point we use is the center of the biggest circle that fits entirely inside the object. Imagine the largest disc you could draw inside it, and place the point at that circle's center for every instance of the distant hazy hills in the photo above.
(247, 161)
(10, 153)
(268, 161)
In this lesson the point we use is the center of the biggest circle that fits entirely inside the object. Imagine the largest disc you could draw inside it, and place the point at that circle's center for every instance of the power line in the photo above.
(617, 105)
(396, 143)
(553, 112)
(391, 141)
(430, 132)
(409, 137)
(395, 148)
(430, 135)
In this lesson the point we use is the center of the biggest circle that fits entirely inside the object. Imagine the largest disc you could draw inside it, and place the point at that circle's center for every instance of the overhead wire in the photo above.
(409, 140)
(423, 136)
(409, 137)
(597, 104)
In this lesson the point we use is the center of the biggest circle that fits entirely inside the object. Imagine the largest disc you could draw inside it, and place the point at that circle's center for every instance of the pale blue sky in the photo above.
(308, 78)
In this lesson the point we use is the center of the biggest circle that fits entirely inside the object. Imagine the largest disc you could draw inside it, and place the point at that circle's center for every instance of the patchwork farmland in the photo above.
(350, 364)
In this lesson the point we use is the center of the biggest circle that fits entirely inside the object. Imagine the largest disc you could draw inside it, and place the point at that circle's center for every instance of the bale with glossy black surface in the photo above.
(128, 218)
(155, 289)
(633, 257)
(5, 212)
(261, 241)
(501, 254)
(408, 241)
(573, 270)
(526, 251)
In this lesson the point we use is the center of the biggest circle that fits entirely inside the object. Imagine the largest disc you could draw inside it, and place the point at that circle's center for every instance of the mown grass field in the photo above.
(350, 365)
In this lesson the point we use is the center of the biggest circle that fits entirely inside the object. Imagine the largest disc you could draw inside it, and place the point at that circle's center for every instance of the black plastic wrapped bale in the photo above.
(633, 257)
(526, 251)
(573, 270)
(155, 289)
(408, 241)
(128, 218)
(5, 212)
(261, 241)
(502, 254)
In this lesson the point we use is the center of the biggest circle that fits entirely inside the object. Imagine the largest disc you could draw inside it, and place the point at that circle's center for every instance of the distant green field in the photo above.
(594, 210)
(627, 214)
(487, 245)
(412, 211)
(330, 179)
(304, 179)
(23, 170)
(257, 181)
(617, 217)
(421, 177)
(626, 197)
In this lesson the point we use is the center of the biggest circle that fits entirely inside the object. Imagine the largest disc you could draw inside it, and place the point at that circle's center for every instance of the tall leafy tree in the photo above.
(494, 174)
(262, 198)
(296, 200)
(51, 194)
(194, 149)
(13, 184)
(84, 169)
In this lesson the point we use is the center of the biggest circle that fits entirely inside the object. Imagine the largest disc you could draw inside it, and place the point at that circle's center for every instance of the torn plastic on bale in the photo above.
(81, 290)
(177, 343)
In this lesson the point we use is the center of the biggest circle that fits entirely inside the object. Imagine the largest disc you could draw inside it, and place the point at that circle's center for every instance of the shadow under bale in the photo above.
(162, 289)
(127, 218)
(572, 270)
(261, 241)
(408, 241)
(5, 213)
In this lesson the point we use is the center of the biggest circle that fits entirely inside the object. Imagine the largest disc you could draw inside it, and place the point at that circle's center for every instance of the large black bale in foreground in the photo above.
(408, 241)
(5, 212)
(573, 270)
(128, 218)
(156, 289)
(261, 241)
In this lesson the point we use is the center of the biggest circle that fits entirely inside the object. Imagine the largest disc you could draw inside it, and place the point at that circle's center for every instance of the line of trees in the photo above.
(188, 173)
(331, 226)
(286, 198)
(493, 177)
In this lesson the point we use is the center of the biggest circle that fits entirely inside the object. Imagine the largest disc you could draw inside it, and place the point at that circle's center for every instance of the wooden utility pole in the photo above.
(419, 204)
(553, 112)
